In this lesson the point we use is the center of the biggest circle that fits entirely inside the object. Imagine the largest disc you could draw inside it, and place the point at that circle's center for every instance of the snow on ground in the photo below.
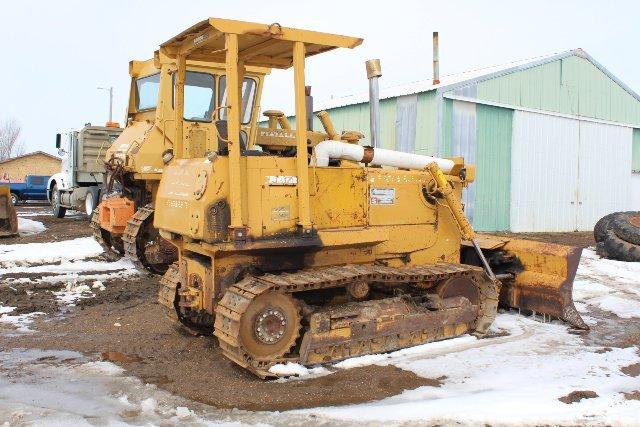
(27, 227)
(508, 380)
(48, 252)
(514, 378)
(65, 388)
(65, 263)
(20, 322)
(610, 285)
(517, 379)
(44, 210)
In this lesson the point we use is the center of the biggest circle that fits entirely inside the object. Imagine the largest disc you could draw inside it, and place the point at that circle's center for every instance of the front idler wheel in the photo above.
(270, 326)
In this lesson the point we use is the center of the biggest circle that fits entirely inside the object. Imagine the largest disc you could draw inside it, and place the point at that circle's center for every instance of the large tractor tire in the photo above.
(601, 250)
(626, 225)
(616, 248)
(601, 227)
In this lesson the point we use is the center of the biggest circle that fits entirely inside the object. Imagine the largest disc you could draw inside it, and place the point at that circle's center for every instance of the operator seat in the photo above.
(223, 146)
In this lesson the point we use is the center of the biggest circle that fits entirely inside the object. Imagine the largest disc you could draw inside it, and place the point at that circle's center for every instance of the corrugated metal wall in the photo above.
(544, 167)
(604, 172)
(568, 173)
(463, 143)
(635, 151)
(411, 118)
(570, 86)
(426, 123)
(406, 114)
(508, 193)
(493, 168)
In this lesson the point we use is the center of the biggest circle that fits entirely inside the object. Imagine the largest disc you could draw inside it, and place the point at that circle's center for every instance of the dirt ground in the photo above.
(124, 324)
(150, 347)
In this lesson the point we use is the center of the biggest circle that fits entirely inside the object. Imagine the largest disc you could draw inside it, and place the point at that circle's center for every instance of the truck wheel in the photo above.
(58, 211)
(14, 199)
(89, 203)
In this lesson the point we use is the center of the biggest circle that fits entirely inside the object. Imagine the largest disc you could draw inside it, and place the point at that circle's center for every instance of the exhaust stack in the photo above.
(373, 73)
(309, 105)
(436, 59)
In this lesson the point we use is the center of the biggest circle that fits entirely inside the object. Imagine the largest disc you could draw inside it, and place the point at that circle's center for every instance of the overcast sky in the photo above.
(55, 53)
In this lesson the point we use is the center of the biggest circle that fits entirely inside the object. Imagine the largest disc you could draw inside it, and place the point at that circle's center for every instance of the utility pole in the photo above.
(110, 89)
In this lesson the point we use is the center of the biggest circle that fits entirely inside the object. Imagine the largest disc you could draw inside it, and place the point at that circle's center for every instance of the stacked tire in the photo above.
(618, 236)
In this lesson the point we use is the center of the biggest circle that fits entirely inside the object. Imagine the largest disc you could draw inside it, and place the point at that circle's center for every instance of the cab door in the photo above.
(199, 108)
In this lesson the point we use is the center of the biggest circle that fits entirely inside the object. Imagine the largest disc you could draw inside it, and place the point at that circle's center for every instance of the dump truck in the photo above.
(81, 180)
(123, 221)
(8, 216)
(306, 246)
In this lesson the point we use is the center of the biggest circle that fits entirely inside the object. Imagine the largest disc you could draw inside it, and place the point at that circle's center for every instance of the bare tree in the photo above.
(10, 146)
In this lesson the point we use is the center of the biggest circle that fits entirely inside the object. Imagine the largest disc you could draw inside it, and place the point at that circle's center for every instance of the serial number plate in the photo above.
(382, 196)
(281, 213)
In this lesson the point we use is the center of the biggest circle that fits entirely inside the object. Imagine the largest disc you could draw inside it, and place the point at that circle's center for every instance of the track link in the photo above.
(130, 235)
(135, 249)
(171, 299)
(110, 253)
(237, 298)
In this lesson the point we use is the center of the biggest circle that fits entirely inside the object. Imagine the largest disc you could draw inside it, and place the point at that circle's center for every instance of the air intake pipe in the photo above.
(335, 150)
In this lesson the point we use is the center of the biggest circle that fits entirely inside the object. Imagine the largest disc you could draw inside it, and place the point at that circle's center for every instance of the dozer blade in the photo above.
(8, 216)
(379, 326)
(543, 282)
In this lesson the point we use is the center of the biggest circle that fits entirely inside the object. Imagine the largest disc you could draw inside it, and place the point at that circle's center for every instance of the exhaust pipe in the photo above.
(309, 105)
(373, 73)
(436, 59)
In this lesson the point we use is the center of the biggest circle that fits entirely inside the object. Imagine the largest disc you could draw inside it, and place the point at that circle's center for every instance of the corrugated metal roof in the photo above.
(460, 79)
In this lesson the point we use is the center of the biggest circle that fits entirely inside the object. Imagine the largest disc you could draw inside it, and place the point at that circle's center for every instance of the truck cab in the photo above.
(79, 183)
(34, 187)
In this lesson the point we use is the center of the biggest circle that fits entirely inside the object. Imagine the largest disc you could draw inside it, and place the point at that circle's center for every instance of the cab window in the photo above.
(248, 98)
(199, 96)
(147, 92)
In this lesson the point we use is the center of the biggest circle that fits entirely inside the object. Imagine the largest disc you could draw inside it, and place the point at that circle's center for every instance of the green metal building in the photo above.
(556, 140)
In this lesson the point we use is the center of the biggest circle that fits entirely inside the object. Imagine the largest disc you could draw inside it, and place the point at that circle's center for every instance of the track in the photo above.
(136, 239)
(171, 299)
(130, 236)
(109, 251)
(236, 300)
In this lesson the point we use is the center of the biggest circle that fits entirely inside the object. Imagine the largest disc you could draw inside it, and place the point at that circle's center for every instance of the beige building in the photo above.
(36, 163)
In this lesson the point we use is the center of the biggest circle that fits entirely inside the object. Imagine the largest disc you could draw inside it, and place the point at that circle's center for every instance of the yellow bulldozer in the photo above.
(8, 216)
(302, 246)
(123, 221)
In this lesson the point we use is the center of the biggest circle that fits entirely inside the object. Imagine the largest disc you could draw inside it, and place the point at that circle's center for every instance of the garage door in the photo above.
(567, 173)
(604, 184)
(543, 172)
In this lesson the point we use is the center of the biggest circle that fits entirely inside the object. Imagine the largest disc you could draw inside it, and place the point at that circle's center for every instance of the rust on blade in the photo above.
(544, 283)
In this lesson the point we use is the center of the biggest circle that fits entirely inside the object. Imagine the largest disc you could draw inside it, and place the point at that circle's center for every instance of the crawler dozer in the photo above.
(8, 216)
(314, 248)
(123, 221)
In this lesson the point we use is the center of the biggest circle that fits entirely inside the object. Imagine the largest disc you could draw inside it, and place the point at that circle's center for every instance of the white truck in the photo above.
(79, 184)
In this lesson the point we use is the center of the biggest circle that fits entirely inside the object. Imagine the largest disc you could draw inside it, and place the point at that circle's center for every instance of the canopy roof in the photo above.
(261, 45)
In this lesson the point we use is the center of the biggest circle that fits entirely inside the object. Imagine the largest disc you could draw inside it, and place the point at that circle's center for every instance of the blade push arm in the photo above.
(466, 230)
